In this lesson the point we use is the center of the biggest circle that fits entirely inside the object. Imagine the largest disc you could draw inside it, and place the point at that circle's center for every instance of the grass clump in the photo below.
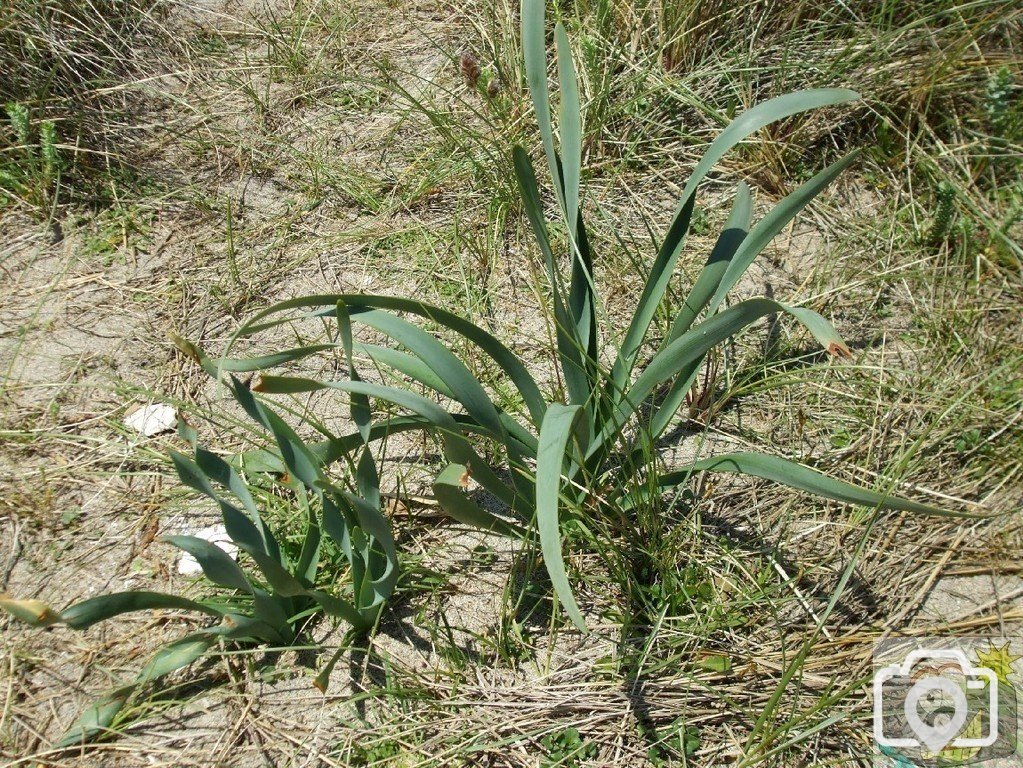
(588, 462)
(67, 67)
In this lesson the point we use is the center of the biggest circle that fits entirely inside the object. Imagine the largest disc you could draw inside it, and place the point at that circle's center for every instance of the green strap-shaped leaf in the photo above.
(699, 296)
(342, 609)
(767, 228)
(410, 365)
(216, 564)
(582, 299)
(297, 458)
(582, 293)
(561, 424)
(695, 343)
(456, 447)
(805, 479)
(325, 305)
(534, 54)
(88, 612)
(657, 282)
(259, 363)
(219, 471)
(367, 479)
(570, 129)
(303, 464)
(241, 530)
(270, 610)
(97, 719)
(251, 629)
(175, 655)
(329, 451)
(382, 557)
(571, 348)
(416, 369)
(448, 490)
(309, 555)
(728, 242)
(362, 415)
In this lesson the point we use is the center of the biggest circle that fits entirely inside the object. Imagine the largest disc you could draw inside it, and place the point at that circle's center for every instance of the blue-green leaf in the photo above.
(561, 425)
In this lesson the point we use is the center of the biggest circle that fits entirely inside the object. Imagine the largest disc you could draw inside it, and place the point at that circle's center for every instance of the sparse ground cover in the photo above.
(241, 155)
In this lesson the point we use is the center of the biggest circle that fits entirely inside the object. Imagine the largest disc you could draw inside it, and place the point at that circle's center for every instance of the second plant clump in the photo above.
(585, 453)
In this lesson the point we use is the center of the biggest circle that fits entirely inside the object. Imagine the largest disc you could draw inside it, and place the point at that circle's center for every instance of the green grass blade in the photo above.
(805, 479)
(560, 425)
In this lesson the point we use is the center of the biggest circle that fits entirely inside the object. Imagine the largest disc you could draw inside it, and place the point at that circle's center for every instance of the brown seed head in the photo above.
(470, 69)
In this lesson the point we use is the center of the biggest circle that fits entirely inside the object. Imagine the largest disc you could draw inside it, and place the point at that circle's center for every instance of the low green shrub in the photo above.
(31, 169)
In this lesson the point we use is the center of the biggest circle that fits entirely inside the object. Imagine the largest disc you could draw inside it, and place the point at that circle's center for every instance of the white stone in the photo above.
(152, 419)
(214, 534)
